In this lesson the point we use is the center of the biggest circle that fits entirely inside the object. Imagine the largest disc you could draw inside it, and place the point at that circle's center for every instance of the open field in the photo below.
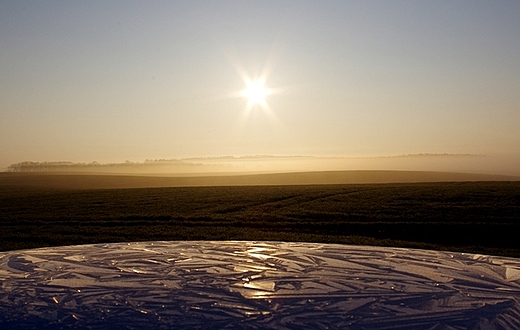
(71, 180)
(47, 210)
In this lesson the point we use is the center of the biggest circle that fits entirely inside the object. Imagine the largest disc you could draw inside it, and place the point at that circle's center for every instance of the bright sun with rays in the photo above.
(255, 93)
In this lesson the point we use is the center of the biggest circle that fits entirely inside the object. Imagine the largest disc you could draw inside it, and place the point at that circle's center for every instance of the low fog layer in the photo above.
(481, 164)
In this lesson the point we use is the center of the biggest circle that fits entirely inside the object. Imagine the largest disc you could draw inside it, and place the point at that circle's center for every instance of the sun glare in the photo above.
(255, 93)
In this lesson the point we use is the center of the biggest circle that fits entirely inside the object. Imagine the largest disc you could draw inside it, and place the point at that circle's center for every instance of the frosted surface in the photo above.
(255, 285)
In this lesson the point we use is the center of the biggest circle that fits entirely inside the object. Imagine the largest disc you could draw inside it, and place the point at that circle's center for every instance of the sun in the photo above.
(255, 92)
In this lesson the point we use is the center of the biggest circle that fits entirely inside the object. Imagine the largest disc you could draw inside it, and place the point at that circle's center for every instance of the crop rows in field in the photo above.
(472, 216)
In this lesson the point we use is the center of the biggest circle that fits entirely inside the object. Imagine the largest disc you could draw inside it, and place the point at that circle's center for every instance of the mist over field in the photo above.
(229, 165)
(483, 164)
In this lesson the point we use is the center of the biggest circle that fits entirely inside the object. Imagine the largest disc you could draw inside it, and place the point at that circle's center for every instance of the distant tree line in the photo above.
(434, 154)
(29, 166)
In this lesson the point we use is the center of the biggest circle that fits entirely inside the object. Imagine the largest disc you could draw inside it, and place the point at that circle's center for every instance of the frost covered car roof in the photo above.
(255, 285)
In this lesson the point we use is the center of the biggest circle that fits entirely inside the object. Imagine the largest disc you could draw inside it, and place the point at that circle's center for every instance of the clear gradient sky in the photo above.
(110, 81)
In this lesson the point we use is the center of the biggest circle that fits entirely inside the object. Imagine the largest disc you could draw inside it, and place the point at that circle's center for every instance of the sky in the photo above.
(110, 81)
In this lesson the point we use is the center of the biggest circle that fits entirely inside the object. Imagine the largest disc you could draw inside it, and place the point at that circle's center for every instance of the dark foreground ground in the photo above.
(477, 217)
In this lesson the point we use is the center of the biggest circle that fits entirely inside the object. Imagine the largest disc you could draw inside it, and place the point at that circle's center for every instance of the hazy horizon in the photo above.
(364, 80)
(251, 164)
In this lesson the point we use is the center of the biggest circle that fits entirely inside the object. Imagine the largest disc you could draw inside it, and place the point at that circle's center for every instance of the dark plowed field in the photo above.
(478, 217)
